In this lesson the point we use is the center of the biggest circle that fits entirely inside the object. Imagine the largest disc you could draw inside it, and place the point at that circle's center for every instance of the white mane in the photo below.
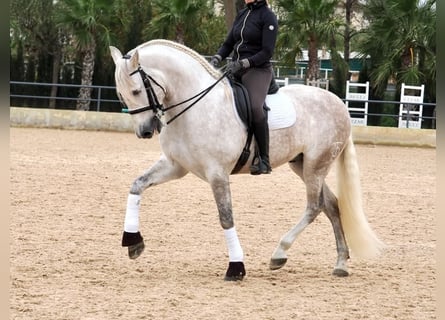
(124, 81)
(192, 53)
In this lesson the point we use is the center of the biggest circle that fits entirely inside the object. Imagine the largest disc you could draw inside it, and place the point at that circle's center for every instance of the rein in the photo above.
(153, 102)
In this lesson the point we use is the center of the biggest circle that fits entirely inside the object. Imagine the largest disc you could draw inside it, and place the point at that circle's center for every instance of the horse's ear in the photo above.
(134, 60)
(115, 54)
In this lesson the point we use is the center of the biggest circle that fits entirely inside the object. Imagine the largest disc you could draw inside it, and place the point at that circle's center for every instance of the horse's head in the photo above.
(142, 95)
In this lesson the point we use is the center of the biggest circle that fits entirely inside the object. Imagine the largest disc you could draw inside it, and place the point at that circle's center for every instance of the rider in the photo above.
(252, 39)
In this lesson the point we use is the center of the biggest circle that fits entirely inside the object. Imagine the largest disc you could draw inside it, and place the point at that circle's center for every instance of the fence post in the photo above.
(410, 115)
(359, 115)
(98, 99)
(321, 83)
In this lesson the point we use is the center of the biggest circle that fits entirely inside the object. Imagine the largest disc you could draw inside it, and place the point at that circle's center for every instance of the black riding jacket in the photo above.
(253, 35)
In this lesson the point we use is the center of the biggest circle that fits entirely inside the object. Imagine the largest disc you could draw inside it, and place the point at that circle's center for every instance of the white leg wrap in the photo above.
(132, 213)
(235, 251)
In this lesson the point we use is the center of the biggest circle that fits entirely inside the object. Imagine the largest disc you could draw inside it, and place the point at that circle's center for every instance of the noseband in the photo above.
(153, 102)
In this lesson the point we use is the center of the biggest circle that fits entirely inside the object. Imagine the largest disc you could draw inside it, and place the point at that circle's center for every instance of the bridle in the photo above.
(153, 102)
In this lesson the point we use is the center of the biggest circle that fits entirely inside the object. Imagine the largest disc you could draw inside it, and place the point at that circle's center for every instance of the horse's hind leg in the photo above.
(313, 208)
(320, 198)
(332, 212)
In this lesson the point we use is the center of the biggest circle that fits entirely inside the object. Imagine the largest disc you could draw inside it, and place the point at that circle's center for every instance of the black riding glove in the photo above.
(215, 60)
(235, 66)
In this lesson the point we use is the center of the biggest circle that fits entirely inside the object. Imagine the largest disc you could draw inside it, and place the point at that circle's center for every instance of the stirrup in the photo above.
(259, 166)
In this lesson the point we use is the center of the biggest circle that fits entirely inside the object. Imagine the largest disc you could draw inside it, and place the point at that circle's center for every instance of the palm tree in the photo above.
(33, 30)
(178, 20)
(306, 24)
(134, 15)
(231, 7)
(401, 41)
(86, 22)
(350, 7)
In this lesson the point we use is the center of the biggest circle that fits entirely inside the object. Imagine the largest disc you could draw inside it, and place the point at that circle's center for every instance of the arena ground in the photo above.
(68, 194)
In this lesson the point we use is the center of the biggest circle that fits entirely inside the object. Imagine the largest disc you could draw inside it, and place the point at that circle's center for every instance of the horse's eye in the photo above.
(136, 92)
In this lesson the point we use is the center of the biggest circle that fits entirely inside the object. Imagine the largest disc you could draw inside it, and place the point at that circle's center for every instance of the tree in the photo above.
(179, 20)
(73, 36)
(230, 12)
(306, 24)
(86, 21)
(133, 16)
(231, 7)
(34, 32)
(194, 23)
(126, 26)
(401, 43)
(351, 11)
(350, 7)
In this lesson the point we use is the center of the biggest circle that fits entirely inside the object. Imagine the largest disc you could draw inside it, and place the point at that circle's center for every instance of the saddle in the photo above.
(244, 109)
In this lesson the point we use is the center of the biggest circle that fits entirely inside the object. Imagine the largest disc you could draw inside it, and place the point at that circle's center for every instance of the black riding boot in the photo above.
(261, 165)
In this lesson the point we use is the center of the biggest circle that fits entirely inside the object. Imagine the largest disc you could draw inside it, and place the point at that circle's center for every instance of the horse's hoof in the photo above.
(277, 263)
(136, 250)
(235, 272)
(340, 272)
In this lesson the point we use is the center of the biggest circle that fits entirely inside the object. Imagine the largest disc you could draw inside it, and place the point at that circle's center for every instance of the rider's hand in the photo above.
(215, 60)
(235, 66)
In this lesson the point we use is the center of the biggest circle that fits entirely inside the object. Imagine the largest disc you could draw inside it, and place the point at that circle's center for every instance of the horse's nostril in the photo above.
(147, 134)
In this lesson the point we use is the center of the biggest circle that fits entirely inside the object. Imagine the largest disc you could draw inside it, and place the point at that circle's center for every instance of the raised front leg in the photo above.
(221, 192)
(162, 171)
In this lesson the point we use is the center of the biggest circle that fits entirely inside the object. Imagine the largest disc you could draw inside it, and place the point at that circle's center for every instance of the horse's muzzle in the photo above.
(147, 130)
(144, 131)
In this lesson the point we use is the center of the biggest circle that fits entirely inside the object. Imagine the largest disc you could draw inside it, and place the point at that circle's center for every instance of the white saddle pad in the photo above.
(282, 114)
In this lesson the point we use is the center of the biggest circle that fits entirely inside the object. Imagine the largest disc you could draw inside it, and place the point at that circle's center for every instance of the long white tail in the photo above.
(361, 239)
